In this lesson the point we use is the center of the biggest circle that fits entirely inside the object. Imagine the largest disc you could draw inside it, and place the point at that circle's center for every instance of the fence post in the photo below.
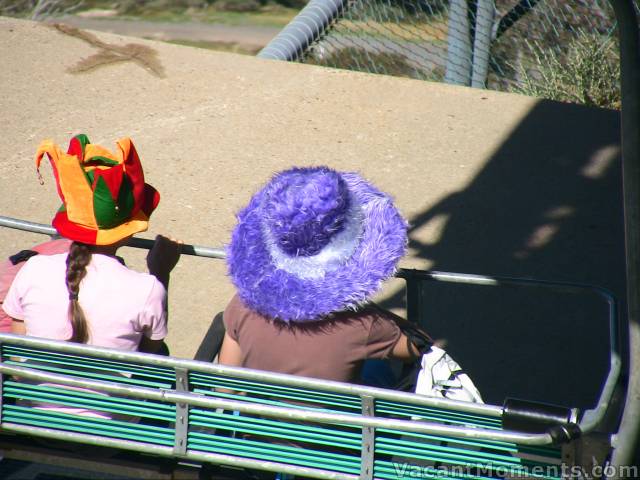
(458, 69)
(485, 13)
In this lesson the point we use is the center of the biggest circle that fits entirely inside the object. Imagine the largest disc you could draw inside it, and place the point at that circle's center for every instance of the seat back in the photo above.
(252, 419)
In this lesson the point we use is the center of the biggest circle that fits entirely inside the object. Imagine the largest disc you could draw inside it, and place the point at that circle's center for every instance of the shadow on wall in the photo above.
(547, 205)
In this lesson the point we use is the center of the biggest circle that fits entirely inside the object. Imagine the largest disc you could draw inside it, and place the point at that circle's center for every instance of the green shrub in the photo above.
(587, 71)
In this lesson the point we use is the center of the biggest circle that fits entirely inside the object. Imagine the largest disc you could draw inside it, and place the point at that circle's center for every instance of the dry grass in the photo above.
(586, 72)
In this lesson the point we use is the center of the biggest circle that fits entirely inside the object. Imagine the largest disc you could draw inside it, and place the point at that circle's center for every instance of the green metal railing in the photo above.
(249, 418)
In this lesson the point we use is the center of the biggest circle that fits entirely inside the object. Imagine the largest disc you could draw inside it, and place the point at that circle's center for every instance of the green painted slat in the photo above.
(91, 372)
(262, 401)
(17, 414)
(385, 470)
(293, 394)
(277, 453)
(87, 428)
(442, 417)
(444, 457)
(355, 434)
(90, 375)
(415, 450)
(141, 369)
(488, 443)
(415, 470)
(93, 402)
(425, 409)
(446, 414)
(275, 388)
(273, 430)
(90, 431)
(438, 418)
(96, 402)
(272, 387)
(420, 439)
(278, 436)
(431, 409)
(19, 351)
(287, 399)
(80, 364)
(16, 388)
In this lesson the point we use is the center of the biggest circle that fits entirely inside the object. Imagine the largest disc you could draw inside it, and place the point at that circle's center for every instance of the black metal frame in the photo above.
(627, 440)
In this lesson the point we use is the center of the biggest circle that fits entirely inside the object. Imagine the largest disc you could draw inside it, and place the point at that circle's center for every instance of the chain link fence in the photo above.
(562, 50)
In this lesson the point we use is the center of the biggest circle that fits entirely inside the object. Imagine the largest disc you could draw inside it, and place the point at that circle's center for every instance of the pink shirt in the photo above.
(8, 272)
(120, 304)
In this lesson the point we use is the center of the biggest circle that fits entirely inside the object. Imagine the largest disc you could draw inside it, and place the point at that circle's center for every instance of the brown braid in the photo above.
(77, 261)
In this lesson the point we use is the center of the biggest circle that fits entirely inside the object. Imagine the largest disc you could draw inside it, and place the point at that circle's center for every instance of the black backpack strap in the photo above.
(212, 341)
(418, 343)
(417, 338)
(22, 256)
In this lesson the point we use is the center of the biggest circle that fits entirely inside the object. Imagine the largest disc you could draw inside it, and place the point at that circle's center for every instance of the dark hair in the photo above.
(77, 261)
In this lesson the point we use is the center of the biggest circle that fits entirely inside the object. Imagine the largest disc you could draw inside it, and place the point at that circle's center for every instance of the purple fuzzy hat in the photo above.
(314, 241)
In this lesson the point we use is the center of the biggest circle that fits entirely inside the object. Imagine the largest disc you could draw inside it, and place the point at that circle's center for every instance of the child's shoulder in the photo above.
(38, 262)
(107, 265)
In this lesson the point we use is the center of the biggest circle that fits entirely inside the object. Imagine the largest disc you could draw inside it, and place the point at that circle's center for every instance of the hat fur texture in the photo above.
(312, 242)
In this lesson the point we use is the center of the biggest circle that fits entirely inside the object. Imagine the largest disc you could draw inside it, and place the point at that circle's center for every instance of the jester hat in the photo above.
(104, 197)
(314, 241)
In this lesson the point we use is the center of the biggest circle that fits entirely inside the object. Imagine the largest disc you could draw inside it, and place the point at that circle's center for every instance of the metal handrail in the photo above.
(135, 242)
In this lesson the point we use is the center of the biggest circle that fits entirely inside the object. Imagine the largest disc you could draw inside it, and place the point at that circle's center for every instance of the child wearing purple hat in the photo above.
(308, 253)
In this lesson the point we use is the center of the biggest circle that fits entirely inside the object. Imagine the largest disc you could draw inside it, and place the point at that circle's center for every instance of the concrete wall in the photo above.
(492, 183)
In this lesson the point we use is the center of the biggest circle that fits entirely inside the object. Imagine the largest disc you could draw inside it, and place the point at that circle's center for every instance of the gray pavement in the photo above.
(250, 35)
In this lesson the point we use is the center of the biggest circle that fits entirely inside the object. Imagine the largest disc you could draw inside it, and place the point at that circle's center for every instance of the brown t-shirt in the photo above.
(331, 349)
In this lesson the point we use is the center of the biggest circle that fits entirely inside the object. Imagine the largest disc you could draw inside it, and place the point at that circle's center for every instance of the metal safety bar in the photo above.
(134, 242)
(591, 418)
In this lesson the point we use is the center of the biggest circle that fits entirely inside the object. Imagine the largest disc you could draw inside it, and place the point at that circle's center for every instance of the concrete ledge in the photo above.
(491, 182)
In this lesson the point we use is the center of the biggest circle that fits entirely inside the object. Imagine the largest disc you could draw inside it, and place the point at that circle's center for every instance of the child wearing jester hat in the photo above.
(87, 295)
(308, 253)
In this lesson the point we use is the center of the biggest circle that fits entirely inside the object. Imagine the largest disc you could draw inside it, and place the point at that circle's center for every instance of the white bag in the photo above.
(442, 377)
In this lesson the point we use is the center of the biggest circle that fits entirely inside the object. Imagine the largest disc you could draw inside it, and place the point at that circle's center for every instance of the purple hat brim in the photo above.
(277, 293)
